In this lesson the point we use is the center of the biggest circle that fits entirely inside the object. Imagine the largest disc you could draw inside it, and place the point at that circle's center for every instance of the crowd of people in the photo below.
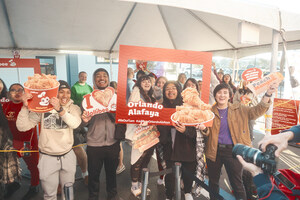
(57, 147)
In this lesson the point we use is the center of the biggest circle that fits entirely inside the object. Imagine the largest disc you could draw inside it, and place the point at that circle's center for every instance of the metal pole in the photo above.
(177, 181)
(273, 65)
(145, 183)
(110, 66)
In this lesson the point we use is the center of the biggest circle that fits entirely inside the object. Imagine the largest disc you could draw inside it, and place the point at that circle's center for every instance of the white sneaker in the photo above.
(136, 191)
(120, 169)
(188, 196)
(148, 190)
(160, 181)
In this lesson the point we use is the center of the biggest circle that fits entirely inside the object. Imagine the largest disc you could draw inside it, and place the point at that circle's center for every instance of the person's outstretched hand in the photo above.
(280, 140)
(253, 169)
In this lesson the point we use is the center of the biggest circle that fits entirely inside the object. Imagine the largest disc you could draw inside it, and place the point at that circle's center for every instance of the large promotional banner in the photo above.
(21, 63)
(285, 114)
(136, 112)
(18, 63)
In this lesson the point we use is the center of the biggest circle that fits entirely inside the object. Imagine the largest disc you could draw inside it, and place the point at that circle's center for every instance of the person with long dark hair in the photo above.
(3, 91)
(10, 171)
(228, 80)
(179, 142)
(191, 82)
(158, 88)
(142, 91)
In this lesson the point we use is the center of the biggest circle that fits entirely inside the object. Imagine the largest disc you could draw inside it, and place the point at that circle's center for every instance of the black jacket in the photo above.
(184, 144)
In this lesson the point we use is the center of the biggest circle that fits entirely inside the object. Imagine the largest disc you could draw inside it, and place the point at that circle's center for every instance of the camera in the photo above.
(265, 160)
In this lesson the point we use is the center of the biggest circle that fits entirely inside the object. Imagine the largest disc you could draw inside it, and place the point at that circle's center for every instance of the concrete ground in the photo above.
(289, 159)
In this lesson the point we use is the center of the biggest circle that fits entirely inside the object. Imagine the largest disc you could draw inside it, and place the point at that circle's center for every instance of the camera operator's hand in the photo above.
(253, 169)
(280, 140)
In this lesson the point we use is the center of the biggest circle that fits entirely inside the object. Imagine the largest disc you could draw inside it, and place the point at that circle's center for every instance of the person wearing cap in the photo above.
(102, 147)
(226, 131)
(11, 110)
(57, 162)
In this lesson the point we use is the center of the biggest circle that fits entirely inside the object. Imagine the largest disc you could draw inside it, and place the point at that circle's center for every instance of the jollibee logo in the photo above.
(12, 63)
(44, 100)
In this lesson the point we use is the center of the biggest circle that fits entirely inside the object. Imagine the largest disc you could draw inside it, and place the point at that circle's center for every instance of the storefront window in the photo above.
(47, 64)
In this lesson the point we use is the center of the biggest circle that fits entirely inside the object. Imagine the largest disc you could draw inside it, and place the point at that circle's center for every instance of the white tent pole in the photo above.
(235, 69)
(110, 66)
(274, 58)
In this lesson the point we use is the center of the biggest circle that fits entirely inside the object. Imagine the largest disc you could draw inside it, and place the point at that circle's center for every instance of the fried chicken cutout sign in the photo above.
(193, 111)
(100, 101)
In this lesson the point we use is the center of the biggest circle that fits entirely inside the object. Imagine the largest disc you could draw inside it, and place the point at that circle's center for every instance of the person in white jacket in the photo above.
(57, 161)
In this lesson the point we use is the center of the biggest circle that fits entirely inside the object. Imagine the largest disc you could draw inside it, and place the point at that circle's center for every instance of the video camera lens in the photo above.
(264, 160)
(249, 154)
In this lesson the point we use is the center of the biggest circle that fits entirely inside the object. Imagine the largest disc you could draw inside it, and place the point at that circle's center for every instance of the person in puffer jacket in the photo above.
(57, 162)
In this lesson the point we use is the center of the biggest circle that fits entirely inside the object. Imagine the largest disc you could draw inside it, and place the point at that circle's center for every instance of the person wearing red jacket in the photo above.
(11, 110)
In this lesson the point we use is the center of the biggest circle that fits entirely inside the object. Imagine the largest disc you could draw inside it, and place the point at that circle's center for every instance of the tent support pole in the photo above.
(11, 34)
(122, 28)
(110, 66)
(167, 26)
(208, 26)
(273, 65)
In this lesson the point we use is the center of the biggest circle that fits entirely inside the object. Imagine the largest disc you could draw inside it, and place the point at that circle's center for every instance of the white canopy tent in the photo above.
(100, 26)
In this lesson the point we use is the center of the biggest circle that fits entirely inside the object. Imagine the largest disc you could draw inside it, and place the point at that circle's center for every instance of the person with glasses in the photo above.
(11, 110)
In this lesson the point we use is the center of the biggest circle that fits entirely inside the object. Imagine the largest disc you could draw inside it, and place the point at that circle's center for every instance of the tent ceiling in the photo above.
(95, 25)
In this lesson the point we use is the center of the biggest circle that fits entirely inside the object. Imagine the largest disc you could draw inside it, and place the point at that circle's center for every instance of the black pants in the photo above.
(234, 171)
(142, 162)
(170, 178)
(97, 156)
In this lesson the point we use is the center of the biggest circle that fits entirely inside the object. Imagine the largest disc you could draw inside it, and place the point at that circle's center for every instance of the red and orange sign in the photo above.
(99, 101)
(252, 74)
(261, 85)
(284, 114)
(135, 113)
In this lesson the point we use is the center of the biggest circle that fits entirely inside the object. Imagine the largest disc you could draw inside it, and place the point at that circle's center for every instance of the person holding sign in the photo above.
(57, 161)
(246, 97)
(102, 147)
(140, 158)
(179, 142)
(227, 131)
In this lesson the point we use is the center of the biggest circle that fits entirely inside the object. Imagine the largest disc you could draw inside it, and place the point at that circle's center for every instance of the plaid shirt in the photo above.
(10, 170)
(200, 169)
